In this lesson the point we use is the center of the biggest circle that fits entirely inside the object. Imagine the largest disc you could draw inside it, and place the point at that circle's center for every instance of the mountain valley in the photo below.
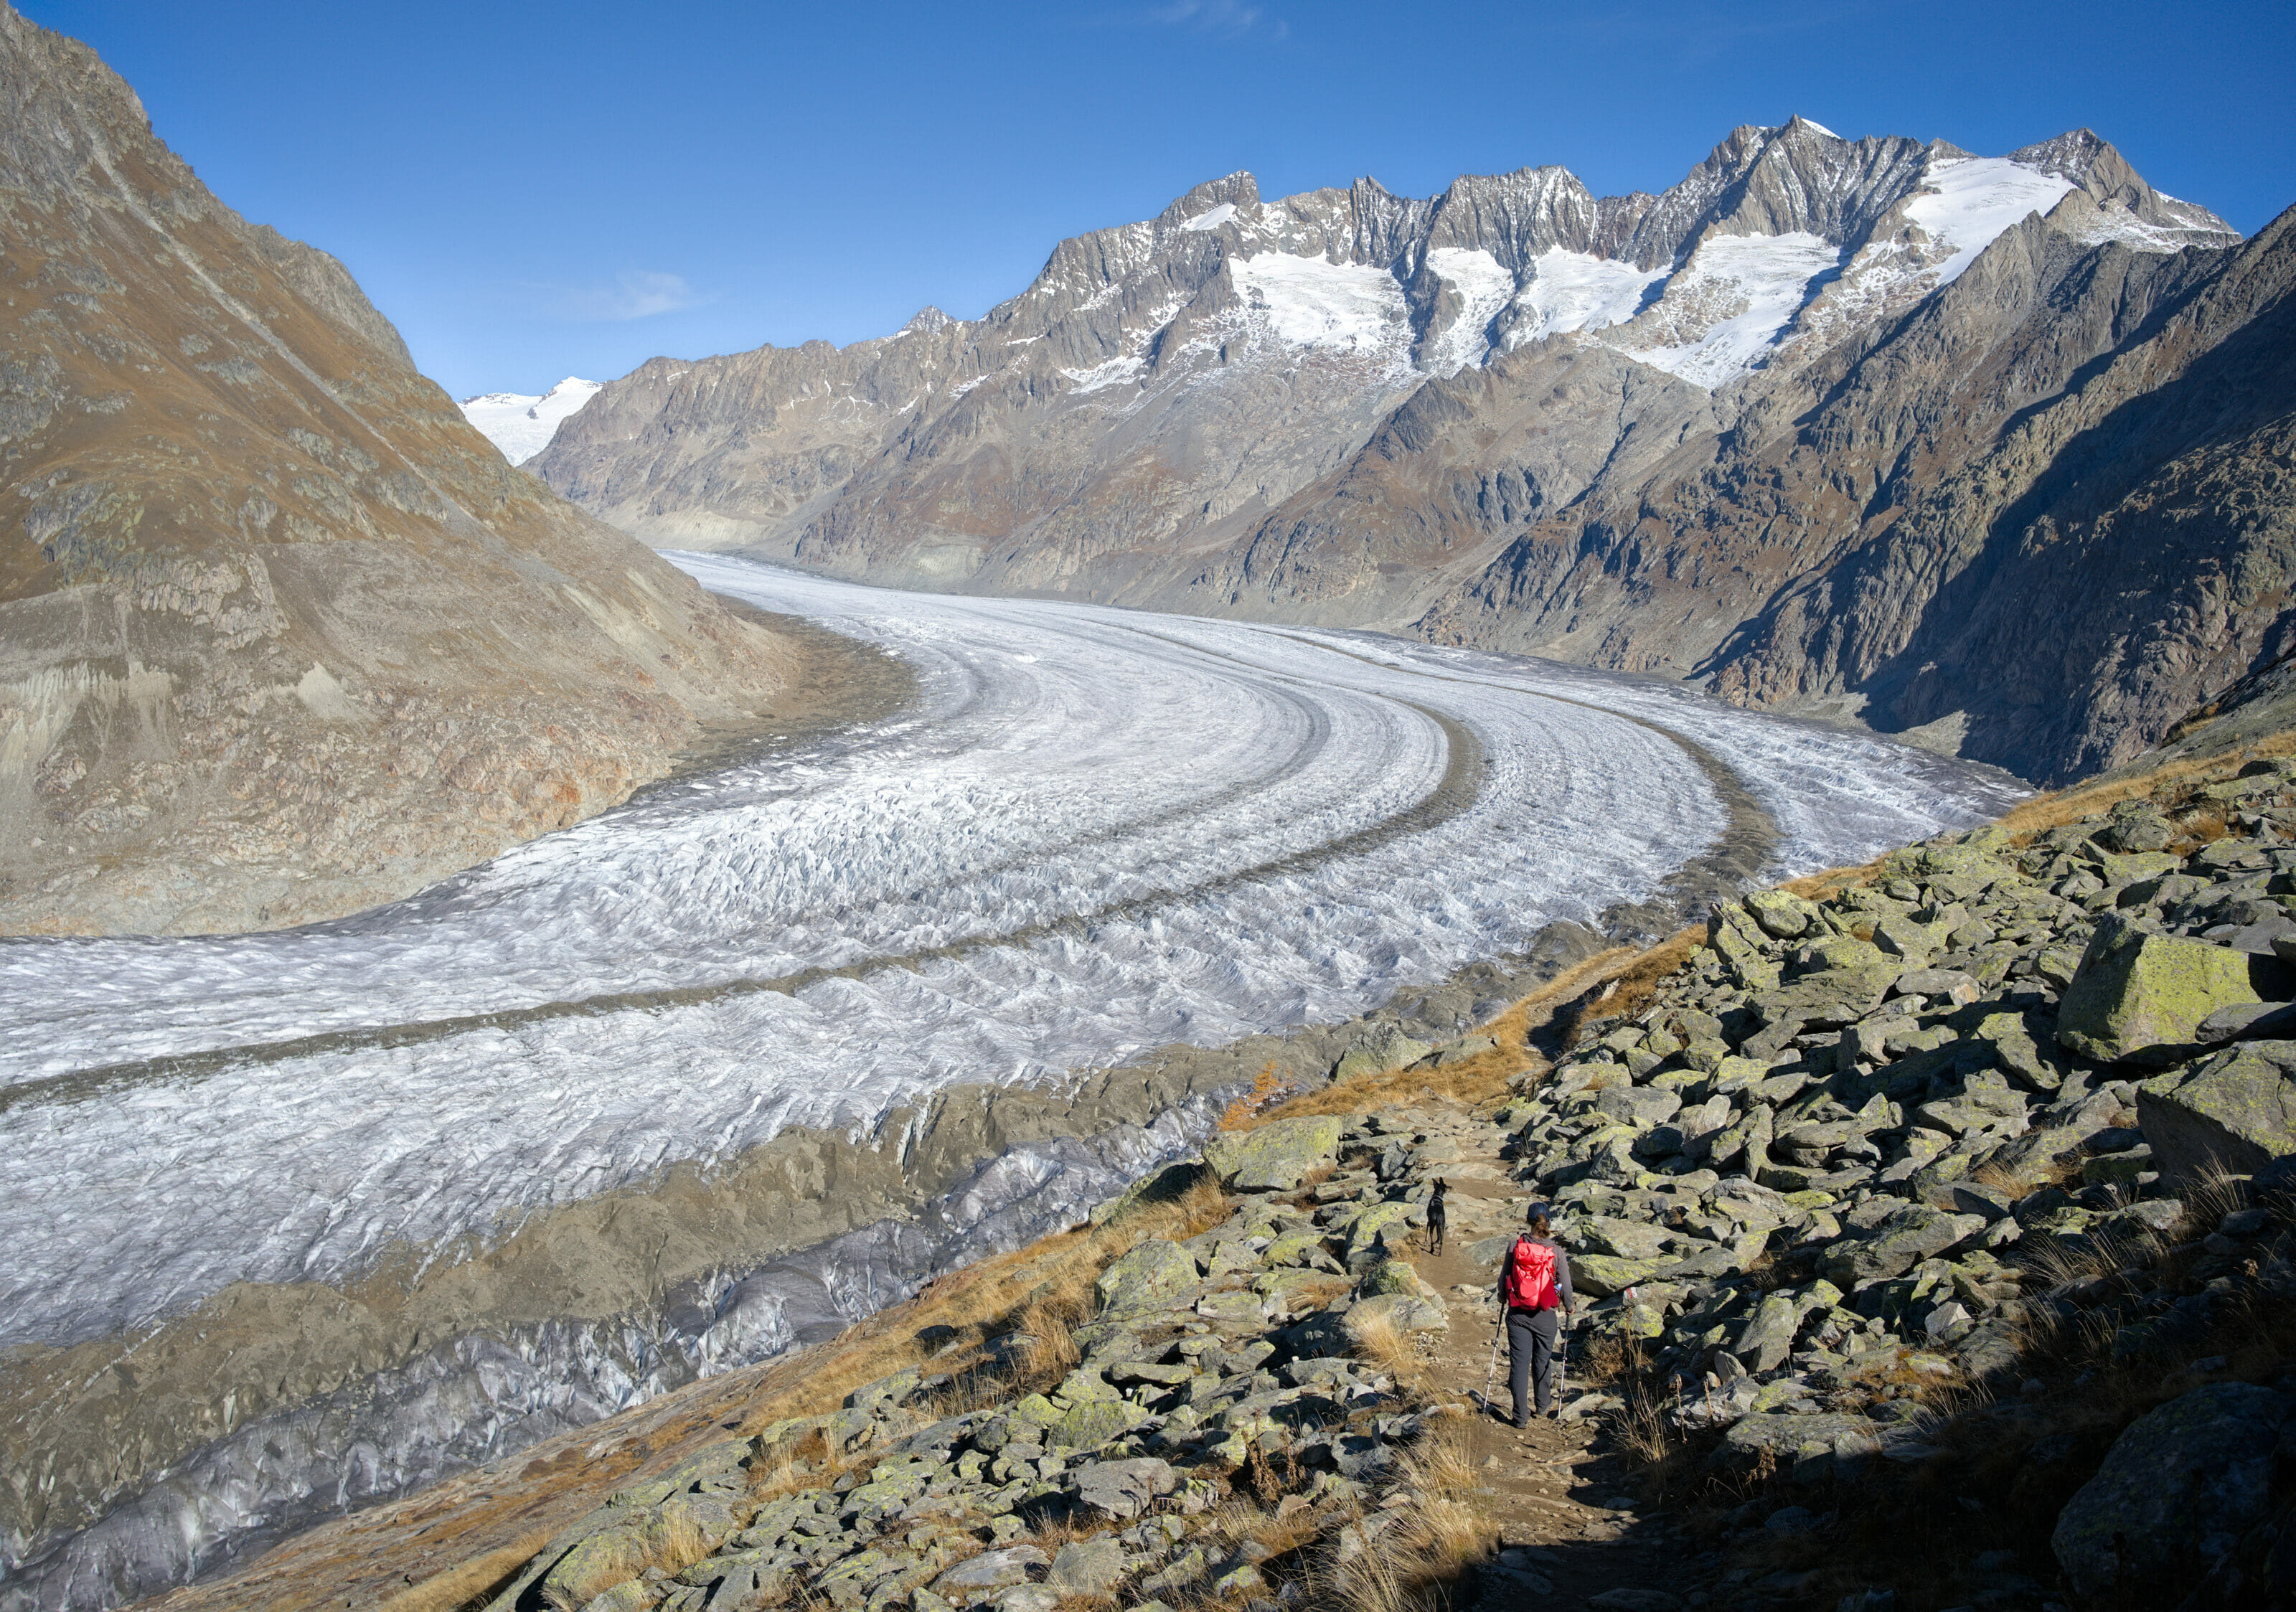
(1817, 429)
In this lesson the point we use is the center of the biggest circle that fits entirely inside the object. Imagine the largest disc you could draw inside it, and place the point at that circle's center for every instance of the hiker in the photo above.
(1534, 1284)
(1438, 1218)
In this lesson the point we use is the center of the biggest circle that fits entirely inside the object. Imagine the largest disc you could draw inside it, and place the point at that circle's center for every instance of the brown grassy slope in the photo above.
(282, 636)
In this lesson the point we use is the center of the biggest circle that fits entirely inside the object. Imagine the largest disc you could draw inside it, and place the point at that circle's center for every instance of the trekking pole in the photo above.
(1492, 1375)
(1561, 1362)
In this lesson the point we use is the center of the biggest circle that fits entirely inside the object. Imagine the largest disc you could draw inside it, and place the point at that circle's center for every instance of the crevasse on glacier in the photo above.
(1100, 831)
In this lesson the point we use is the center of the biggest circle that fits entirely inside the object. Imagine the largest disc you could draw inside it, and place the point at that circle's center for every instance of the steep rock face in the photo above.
(280, 636)
(1763, 429)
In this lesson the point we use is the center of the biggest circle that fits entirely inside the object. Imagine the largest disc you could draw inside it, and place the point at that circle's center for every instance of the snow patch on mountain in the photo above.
(1312, 303)
(1729, 308)
(1485, 288)
(1572, 292)
(521, 426)
(1966, 202)
(1116, 371)
(1212, 219)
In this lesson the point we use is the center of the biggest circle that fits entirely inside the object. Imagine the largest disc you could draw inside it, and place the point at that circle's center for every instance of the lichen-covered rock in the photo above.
(2175, 1493)
(1907, 1237)
(1089, 1426)
(2140, 997)
(1784, 915)
(1620, 1239)
(597, 1563)
(1380, 1051)
(990, 1570)
(2235, 1111)
(1089, 1567)
(1275, 1157)
(1153, 1273)
(1122, 1489)
(1642, 1105)
(1765, 1341)
(1601, 1276)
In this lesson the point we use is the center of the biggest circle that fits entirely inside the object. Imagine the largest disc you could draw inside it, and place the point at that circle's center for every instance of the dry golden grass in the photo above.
(472, 1584)
(1267, 1090)
(1379, 1342)
(2167, 782)
(1482, 1078)
(1638, 981)
(1414, 1564)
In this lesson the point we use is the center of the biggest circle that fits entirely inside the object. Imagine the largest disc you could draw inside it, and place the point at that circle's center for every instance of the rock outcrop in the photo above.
(1824, 427)
(281, 636)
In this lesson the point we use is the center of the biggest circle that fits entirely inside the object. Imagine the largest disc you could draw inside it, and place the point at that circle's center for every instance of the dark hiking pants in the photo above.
(1530, 1345)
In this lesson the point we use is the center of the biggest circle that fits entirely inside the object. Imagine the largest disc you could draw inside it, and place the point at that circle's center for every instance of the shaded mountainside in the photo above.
(1826, 425)
(281, 636)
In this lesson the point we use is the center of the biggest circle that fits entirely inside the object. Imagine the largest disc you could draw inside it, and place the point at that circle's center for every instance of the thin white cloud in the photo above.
(638, 294)
(1230, 18)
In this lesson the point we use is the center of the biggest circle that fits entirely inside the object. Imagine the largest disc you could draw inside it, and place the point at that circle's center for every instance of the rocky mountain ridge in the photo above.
(1731, 432)
(281, 636)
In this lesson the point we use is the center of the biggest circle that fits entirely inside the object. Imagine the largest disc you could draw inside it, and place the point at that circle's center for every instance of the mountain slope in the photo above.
(1643, 431)
(281, 636)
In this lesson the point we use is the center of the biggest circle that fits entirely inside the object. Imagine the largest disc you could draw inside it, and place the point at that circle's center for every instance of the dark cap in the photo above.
(1538, 1212)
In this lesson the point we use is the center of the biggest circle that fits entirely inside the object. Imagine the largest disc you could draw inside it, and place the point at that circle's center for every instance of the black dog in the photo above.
(1435, 1217)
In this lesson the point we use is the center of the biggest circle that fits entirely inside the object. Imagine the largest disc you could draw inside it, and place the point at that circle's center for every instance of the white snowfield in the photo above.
(1101, 831)
(1314, 303)
(521, 426)
(1732, 307)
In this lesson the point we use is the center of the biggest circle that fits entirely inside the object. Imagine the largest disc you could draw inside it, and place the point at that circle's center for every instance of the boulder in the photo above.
(1639, 1106)
(1768, 1338)
(2175, 1493)
(1089, 1426)
(1380, 1051)
(1784, 916)
(1738, 941)
(1783, 1433)
(1121, 1489)
(1273, 1158)
(1621, 1239)
(2140, 997)
(596, 1564)
(1601, 1276)
(1154, 1274)
(885, 1391)
(1897, 1244)
(2235, 1110)
(989, 1570)
(1089, 1567)
(1165, 1185)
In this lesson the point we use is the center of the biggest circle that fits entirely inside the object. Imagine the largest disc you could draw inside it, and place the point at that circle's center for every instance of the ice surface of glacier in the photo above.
(1099, 832)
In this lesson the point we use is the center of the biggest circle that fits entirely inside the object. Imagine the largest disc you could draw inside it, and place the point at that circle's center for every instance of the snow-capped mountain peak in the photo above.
(522, 426)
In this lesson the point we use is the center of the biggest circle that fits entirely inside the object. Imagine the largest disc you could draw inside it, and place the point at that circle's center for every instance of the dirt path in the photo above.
(1562, 1494)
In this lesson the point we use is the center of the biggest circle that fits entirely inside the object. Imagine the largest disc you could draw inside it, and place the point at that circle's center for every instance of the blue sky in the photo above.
(534, 189)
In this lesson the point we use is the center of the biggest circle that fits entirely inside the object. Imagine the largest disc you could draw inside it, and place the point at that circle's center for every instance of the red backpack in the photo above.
(1531, 1275)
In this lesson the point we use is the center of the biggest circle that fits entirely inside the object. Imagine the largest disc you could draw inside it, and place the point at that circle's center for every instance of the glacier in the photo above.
(522, 426)
(1096, 832)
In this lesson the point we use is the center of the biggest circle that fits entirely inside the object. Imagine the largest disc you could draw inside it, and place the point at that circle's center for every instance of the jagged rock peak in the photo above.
(1212, 203)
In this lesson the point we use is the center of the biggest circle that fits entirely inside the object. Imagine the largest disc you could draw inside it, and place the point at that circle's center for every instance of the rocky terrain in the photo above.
(281, 636)
(1932, 1227)
(1820, 427)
